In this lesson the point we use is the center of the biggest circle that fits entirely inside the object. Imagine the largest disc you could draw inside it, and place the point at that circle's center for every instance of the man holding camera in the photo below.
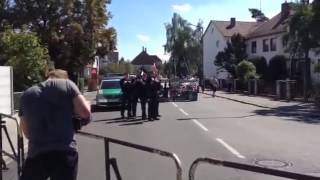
(47, 112)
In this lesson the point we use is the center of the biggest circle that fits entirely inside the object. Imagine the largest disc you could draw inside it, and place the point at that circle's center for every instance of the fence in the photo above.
(111, 161)
(17, 155)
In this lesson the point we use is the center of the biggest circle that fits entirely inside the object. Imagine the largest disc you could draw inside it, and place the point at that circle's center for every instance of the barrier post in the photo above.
(107, 158)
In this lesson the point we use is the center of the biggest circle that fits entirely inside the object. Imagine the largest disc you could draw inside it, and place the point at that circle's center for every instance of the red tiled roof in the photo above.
(145, 59)
(241, 27)
(273, 26)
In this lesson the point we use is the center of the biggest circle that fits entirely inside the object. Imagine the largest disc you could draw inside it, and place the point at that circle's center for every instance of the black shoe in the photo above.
(150, 119)
(156, 118)
(143, 118)
(158, 115)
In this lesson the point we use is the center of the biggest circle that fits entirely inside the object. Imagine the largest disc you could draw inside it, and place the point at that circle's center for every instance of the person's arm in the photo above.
(24, 127)
(81, 106)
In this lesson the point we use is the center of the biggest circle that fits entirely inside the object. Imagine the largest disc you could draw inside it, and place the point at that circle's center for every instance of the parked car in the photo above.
(185, 89)
(109, 93)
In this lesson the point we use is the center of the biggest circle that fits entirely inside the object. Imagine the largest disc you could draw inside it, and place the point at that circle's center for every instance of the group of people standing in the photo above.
(145, 88)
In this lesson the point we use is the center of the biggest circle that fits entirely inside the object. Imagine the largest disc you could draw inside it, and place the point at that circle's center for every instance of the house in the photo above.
(262, 38)
(145, 61)
(215, 39)
(110, 58)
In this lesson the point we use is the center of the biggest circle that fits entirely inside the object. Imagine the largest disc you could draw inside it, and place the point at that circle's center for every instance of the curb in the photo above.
(239, 101)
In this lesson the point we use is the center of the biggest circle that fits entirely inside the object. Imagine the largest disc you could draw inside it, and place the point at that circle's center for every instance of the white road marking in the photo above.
(231, 149)
(185, 113)
(200, 125)
(175, 105)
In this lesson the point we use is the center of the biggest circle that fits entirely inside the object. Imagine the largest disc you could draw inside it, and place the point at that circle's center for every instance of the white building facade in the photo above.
(263, 39)
(213, 43)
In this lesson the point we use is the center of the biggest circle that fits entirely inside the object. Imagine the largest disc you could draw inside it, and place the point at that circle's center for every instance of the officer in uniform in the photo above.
(158, 89)
(152, 88)
(141, 89)
(124, 83)
(133, 97)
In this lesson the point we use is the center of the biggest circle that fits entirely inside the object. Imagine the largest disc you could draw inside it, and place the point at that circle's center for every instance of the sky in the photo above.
(141, 23)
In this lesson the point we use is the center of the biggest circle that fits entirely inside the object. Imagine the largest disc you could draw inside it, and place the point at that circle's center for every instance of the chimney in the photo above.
(285, 10)
(232, 23)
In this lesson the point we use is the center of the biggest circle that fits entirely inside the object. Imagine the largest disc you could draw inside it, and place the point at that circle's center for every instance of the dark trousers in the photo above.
(143, 102)
(157, 107)
(133, 103)
(125, 105)
(152, 105)
(56, 165)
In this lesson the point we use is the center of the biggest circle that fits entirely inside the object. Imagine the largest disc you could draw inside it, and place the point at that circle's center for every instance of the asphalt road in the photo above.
(210, 127)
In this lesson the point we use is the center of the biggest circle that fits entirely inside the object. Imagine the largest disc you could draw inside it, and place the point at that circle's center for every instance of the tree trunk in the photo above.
(307, 75)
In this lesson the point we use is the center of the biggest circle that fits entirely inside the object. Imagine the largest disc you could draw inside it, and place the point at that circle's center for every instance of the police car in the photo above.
(109, 93)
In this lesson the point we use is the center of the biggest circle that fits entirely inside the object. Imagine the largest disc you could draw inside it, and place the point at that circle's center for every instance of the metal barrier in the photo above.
(245, 167)
(18, 155)
(108, 162)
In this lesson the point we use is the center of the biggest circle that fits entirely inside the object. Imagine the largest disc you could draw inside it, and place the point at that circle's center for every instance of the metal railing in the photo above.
(17, 155)
(108, 160)
(245, 167)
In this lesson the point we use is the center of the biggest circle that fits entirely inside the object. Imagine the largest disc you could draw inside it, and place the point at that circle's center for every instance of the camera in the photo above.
(78, 122)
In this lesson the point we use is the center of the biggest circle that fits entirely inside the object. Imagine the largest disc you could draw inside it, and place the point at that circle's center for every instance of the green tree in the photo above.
(4, 13)
(261, 66)
(184, 45)
(277, 69)
(245, 70)
(73, 30)
(232, 55)
(316, 21)
(258, 15)
(26, 55)
(300, 39)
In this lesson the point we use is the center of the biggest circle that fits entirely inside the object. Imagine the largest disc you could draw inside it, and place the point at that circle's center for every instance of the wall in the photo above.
(210, 50)
(315, 60)
(268, 55)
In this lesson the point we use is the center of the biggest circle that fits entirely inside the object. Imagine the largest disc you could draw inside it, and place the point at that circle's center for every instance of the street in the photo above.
(210, 127)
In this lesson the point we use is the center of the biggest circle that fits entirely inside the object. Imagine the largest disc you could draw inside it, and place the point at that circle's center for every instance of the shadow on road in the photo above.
(124, 121)
(218, 117)
(305, 113)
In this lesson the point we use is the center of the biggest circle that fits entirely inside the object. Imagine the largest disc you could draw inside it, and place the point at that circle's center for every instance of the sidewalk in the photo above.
(259, 101)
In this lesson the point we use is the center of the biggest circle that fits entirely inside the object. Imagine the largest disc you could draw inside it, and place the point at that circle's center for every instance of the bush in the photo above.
(261, 66)
(246, 70)
(277, 69)
(24, 52)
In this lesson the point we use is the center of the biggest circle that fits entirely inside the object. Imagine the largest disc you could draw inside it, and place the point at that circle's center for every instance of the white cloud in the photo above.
(143, 38)
(182, 7)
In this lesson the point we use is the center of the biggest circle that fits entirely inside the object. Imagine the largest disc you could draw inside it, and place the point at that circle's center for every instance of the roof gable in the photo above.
(145, 59)
(273, 26)
(241, 27)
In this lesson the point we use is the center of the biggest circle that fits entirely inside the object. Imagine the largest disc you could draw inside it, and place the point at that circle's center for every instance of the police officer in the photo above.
(133, 97)
(158, 89)
(141, 90)
(124, 83)
(152, 89)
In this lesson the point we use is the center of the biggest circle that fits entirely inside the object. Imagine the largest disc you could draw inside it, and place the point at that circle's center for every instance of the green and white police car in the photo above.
(109, 93)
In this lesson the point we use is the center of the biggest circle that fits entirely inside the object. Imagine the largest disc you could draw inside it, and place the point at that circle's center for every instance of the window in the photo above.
(273, 44)
(217, 43)
(254, 47)
(265, 45)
